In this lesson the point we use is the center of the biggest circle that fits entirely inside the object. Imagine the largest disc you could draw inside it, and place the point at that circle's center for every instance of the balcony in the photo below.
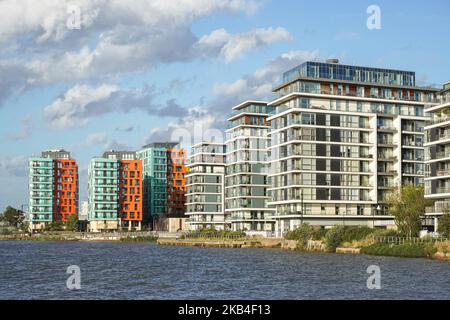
(412, 129)
(438, 120)
(424, 98)
(387, 128)
(387, 157)
(441, 173)
(443, 190)
(442, 154)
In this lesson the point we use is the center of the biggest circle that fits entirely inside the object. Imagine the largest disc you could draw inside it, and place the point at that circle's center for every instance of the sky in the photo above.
(96, 75)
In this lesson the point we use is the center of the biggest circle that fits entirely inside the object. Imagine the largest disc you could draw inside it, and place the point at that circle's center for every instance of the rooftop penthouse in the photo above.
(331, 69)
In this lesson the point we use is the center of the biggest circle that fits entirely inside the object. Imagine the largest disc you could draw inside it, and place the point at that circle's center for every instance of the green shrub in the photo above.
(319, 233)
(418, 250)
(302, 234)
(356, 233)
(385, 233)
(333, 237)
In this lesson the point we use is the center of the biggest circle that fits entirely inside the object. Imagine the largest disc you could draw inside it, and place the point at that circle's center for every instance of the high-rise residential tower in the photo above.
(156, 158)
(115, 192)
(53, 188)
(437, 143)
(205, 204)
(246, 184)
(341, 137)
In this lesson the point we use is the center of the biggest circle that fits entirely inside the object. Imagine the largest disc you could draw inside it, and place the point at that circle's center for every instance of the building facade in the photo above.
(205, 200)
(437, 143)
(246, 183)
(176, 182)
(341, 138)
(53, 188)
(103, 194)
(156, 160)
(115, 192)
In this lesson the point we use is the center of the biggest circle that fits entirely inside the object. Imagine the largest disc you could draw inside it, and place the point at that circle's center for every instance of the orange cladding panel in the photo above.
(130, 190)
(65, 201)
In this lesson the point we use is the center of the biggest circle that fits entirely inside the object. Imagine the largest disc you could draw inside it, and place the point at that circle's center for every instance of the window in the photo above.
(309, 118)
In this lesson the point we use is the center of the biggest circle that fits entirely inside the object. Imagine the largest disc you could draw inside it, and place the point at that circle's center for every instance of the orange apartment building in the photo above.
(176, 182)
(130, 194)
(65, 192)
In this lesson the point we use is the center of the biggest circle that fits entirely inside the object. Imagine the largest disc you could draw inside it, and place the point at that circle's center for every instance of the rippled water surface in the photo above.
(37, 270)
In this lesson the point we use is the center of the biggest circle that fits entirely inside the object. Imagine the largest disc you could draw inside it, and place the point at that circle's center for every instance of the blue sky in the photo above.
(138, 70)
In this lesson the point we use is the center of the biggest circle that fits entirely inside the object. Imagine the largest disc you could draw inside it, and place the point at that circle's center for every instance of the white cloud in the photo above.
(259, 84)
(47, 20)
(95, 138)
(78, 104)
(231, 47)
(81, 103)
(116, 37)
(199, 125)
(233, 88)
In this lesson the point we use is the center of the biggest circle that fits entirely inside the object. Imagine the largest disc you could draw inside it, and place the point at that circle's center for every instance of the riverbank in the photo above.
(438, 251)
(141, 236)
(401, 250)
(223, 243)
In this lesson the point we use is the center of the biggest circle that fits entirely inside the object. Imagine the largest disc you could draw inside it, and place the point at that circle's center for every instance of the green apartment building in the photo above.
(154, 178)
(103, 194)
(40, 192)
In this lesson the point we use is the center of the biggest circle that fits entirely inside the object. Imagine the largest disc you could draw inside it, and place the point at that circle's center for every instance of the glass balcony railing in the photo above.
(443, 190)
(314, 90)
(442, 172)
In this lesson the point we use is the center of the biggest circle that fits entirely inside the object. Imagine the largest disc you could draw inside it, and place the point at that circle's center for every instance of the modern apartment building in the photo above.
(103, 194)
(340, 138)
(176, 182)
(53, 188)
(159, 181)
(205, 204)
(115, 192)
(246, 184)
(437, 143)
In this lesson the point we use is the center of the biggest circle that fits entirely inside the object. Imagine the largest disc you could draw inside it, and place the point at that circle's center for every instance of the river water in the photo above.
(37, 270)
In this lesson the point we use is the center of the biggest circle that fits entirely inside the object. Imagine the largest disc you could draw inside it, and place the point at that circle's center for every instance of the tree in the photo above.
(407, 205)
(444, 224)
(72, 223)
(13, 216)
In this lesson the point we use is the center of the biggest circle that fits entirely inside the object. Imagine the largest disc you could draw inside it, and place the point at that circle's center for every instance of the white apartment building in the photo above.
(205, 183)
(246, 168)
(341, 137)
(437, 143)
